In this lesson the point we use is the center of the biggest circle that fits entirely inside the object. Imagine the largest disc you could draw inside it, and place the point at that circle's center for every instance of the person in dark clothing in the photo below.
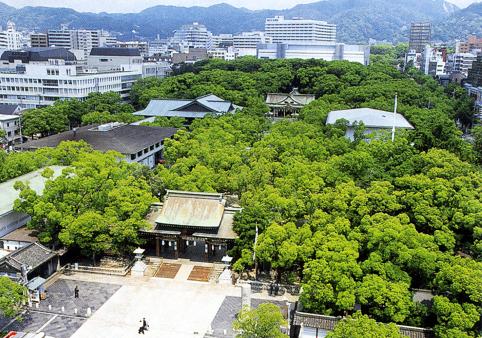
(276, 289)
(144, 324)
(76, 292)
(270, 292)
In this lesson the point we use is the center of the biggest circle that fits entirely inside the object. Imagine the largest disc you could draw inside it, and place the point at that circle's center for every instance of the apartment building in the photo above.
(10, 124)
(80, 39)
(142, 46)
(193, 35)
(39, 40)
(473, 43)
(461, 63)
(298, 29)
(10, 39)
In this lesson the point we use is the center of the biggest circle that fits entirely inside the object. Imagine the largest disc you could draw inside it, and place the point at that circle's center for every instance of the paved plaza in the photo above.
(174, 308)
(56, 315)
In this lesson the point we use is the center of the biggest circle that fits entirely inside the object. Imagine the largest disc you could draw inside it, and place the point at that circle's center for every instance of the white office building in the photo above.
(10, 39)
(221, 40)
(246, 42)
(328, 51)
(298, 29)
(39, 77)
(227, 54)
(193, 35)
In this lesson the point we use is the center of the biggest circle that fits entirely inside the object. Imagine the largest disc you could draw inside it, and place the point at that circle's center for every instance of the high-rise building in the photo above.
(10, 39)
(194, 35)
(80, 39)
(475, 73)
(299, 30)
(420, 36)
(222, 40)
(39, 40)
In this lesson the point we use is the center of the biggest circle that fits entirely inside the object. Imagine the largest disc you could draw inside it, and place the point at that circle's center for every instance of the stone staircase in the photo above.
(217, 270)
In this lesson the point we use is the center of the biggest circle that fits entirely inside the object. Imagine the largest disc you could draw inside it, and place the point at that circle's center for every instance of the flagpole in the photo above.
(394, 116)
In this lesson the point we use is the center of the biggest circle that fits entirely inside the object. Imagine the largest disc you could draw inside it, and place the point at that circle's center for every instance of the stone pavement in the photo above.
(62, 324)
(222, 323)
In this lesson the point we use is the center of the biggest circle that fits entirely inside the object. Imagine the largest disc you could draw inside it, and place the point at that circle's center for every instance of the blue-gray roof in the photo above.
(208, 104)
(370, 117)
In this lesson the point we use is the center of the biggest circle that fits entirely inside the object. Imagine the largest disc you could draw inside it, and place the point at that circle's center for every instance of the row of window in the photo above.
(146, 150)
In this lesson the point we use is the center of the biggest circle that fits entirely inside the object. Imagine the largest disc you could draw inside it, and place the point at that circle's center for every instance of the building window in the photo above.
(146, 151)
(139, 153)
(133, 156)
(151, 147)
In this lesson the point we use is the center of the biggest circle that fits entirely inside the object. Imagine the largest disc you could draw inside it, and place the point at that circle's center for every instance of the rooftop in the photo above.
(38, 54)
(293, 97)
(8, 117)
(199, 107)
(192, 209)
(8, 109)
(124, 138)
(114, 51)
(328, 323)
(370, 118)
(22, 234)
(34, 179)
(32, 255)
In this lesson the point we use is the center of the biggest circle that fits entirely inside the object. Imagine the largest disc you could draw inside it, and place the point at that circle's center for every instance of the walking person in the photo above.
(144, 324)
(76, 292)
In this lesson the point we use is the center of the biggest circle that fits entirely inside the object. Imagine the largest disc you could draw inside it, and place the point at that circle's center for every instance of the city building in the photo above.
(474, 76)
(80, 39)
(10, 39)
(110, 58)
(159, 69)
(299, 30)
(287, 105)
(222, 40)
(460, 63)
(420, 36)
(192, 56)
(247, 42)
(10, 219)
(10, 109)
(472, 44)
(40, 76)
(374, 120)
(191, 223)
(10, 124)
(136, 143)
(476, 93)
(188, 109)
(227, 54)
(158, 46)
(194, 35)
(328, 51)
(434, 61)
(142, 46)
(39, 40)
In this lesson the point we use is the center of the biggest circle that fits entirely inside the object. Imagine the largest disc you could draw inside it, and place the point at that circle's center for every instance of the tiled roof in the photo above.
(126, 139)
(329, 322)
(8, 109)
(32, 255)
(22, 234)
(180, 107)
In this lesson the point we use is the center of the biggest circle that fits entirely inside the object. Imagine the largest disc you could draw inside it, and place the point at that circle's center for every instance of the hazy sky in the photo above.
(138, 5)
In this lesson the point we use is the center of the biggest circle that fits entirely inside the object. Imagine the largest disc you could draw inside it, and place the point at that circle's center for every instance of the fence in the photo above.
(257, 286)
(100, 270)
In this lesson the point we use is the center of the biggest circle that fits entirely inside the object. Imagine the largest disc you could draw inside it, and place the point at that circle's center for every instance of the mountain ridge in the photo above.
(357, 20)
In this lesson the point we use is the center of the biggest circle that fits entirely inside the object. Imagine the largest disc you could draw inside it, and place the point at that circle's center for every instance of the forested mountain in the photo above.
(358, 20)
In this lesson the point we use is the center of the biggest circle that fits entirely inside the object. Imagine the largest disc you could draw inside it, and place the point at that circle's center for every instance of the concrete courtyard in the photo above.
(173, 307)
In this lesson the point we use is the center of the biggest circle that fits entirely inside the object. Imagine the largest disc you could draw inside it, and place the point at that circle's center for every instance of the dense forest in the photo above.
(355, 223)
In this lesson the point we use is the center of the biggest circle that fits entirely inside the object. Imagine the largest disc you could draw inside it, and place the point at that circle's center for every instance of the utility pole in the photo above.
(254, 254)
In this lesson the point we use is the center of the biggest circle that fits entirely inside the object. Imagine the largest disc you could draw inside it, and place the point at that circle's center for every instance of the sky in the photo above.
(126, 6)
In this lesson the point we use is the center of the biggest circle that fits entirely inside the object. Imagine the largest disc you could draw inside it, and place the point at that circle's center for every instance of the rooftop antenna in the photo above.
(394, 115)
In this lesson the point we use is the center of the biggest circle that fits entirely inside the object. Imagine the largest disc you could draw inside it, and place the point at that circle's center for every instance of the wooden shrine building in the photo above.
(287, 105)
(191, 223)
